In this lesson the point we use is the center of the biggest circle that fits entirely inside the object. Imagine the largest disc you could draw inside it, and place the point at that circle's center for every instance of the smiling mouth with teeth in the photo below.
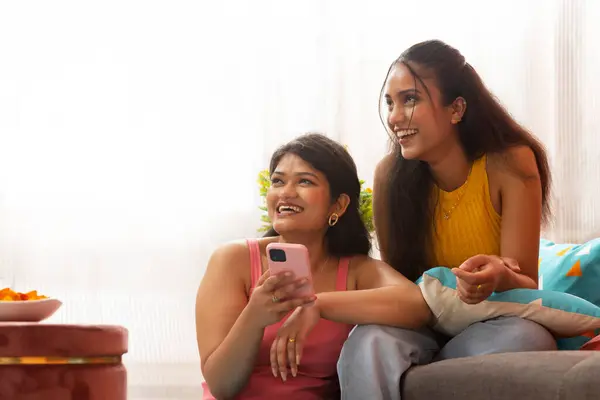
(406, 133)
(287, 209)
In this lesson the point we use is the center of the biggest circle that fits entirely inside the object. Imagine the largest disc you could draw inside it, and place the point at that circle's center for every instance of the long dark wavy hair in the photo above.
(349, 236)
(486, 127)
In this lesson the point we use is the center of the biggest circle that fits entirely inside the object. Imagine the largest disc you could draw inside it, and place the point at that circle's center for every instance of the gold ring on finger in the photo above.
(291, 340)
(275, 299)
(478, 288)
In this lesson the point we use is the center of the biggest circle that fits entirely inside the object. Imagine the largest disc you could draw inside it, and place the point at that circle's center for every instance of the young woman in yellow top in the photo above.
(466, 187)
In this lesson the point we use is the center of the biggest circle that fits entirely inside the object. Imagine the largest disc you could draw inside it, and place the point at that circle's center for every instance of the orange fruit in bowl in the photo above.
(7, 294)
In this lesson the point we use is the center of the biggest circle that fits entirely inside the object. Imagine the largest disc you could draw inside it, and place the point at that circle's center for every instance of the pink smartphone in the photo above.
(291, 257)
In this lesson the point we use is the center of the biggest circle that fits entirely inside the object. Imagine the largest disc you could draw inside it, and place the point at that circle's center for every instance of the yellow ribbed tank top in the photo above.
(465, 221)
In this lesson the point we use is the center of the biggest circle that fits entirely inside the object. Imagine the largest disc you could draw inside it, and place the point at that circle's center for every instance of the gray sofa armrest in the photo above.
(552, 375)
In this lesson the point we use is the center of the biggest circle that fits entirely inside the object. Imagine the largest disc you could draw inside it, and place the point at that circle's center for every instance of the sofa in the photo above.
(567, 374)
(551, 375)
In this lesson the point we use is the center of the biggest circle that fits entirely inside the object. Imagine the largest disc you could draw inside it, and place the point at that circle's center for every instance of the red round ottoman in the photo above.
(62, 362)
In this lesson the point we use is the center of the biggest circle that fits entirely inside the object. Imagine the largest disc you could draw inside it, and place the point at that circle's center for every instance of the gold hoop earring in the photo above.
(333, 219)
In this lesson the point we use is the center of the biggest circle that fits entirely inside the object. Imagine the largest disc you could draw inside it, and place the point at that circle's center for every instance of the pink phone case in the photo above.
(291, 257)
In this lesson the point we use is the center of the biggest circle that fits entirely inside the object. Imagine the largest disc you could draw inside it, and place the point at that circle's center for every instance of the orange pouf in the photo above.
(62, 362)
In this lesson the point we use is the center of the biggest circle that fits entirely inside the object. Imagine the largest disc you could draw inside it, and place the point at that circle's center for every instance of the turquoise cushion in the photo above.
(568, 317)
(571, 268)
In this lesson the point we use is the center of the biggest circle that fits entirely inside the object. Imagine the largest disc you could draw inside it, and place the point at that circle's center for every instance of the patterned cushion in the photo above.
(571, 268)
(568, 317)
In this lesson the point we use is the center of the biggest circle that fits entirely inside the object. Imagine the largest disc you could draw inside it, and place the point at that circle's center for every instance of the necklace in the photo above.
(448, 213)
(324, 264)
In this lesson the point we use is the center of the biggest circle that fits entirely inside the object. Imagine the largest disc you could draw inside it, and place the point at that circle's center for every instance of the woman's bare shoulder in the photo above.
(230, 261)
(235, 250)
(238, 249)
(516, 161)
(361, 262)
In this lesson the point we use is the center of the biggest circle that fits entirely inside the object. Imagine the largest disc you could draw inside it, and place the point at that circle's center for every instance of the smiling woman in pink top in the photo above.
(241, 311)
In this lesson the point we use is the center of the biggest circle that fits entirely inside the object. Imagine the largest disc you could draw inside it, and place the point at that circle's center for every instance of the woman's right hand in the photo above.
(272, 298)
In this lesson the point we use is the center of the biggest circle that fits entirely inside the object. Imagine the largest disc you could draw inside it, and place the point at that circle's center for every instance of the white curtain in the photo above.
(131, 134)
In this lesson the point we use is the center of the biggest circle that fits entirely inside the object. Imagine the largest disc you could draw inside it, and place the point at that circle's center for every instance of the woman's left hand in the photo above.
(287, 346)
(479, 276)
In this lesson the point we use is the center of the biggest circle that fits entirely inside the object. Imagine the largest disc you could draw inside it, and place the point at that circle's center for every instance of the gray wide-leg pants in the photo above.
(375, 357)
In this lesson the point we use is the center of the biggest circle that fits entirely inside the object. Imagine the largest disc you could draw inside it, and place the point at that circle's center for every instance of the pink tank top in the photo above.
(317, 373)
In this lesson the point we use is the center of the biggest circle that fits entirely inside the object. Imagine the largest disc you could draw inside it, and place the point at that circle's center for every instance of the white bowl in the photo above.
(28, 310)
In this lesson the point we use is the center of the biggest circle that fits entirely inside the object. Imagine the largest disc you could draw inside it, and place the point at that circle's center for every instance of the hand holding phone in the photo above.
(284, 257)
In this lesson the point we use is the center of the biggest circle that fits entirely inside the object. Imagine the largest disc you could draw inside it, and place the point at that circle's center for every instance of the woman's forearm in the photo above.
(228, 368)
(389, 305)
